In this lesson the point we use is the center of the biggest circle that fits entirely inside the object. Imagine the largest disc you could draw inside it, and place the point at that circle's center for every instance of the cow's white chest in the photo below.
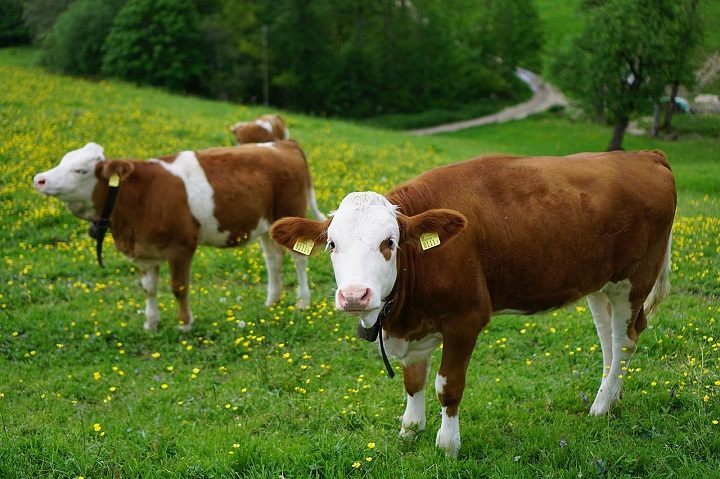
(409, 352)
(201, 196)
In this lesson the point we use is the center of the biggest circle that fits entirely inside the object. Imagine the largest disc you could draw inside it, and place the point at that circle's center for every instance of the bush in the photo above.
(75, 43)
(40, 15)
(156, 42)
(12, 28)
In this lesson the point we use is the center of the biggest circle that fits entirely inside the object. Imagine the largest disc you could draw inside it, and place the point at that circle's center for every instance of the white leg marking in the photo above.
(448, 436)
(185, 328)
(201, 196)
(413, 421)
(440, 382)
(622, 348)
(303, 289)
(601, 309)
(273, 254)
(149, 282)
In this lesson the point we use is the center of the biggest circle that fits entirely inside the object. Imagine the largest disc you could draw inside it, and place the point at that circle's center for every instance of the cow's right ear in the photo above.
(300, 234)
(122, 168)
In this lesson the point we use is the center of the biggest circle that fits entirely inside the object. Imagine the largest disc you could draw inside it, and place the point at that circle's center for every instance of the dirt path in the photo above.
(544, 97)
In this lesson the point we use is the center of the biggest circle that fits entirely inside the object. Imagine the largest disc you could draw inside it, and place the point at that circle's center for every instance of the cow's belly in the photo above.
(409, 352)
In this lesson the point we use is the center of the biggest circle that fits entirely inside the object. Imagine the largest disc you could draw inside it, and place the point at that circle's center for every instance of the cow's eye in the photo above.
(390, 242)
(80, 171)
(330, 245)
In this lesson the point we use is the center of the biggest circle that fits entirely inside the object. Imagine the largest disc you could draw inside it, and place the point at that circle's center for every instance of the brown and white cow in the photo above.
(167, 206)
(516, 234)
(264, 129)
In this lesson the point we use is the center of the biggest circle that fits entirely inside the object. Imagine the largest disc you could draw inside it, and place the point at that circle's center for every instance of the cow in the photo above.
(434, 259)
(264, 129)
(165, 207)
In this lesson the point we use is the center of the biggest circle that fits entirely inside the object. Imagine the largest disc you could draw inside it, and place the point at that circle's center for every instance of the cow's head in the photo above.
(73, 180)
(363, 237)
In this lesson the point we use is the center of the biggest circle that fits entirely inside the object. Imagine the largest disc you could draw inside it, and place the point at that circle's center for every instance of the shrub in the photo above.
(75, 43)
(156, 42)
(40, 15)
(12, 28)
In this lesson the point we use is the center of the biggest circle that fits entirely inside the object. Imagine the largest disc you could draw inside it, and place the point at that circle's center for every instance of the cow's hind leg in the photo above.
(624, 339)
(303, 289)
(179, 261)
(273, 254)
(415, 377)
(149, 280)
(601, 309)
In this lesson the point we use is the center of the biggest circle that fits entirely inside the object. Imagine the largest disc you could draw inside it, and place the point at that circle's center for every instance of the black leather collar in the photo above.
(371, 334)
(99, 227)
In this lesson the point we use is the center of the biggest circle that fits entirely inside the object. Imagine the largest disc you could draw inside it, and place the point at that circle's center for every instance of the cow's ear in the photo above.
(300, 234)
(426, 229)
(122, 168)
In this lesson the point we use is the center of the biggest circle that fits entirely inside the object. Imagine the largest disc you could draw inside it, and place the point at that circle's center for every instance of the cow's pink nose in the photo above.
(40, 181)
(354, 298)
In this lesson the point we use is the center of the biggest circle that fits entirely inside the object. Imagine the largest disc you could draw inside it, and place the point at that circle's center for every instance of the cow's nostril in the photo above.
(365, 295)
(41, 181)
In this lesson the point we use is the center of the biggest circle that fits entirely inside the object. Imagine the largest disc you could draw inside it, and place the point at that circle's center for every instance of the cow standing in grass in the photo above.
(264, 129)
(167, 206)
(504, 234)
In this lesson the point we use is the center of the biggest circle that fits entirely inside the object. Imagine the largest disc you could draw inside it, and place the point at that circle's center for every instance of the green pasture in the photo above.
(84, 391)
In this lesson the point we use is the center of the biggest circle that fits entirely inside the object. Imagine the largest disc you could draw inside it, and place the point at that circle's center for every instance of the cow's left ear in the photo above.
(122, 168)
(422, 228)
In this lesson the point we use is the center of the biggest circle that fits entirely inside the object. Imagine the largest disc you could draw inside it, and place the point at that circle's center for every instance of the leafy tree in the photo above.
(616, 67)
(75, 42)
(40, 15)
(156, 42)
(12, 28)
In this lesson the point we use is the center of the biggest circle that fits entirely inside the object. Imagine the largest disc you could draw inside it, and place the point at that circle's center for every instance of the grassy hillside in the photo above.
(85, 392)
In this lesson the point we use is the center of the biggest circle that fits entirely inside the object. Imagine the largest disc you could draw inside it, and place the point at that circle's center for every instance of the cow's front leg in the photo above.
(149, 280)
(415, 377)
(179, 261)
(449, 386)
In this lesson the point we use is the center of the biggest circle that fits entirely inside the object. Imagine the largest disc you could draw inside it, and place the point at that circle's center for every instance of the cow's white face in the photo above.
(362, 239)
(73, 180)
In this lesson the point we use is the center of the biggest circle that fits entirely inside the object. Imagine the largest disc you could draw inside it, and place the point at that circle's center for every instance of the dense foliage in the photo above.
(349, 58)
(12, 28)
(75, 43)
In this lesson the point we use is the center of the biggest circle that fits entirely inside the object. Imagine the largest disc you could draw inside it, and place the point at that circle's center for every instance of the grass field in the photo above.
(85, 392)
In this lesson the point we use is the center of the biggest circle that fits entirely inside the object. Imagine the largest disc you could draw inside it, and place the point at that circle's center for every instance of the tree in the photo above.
(156, 42)
(75, 43)
(12, 28)
(616, 67)
(40, 15)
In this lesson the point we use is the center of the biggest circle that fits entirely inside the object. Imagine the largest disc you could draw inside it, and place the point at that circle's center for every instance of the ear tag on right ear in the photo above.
(429, 240)
(304, 246)
(114, 180)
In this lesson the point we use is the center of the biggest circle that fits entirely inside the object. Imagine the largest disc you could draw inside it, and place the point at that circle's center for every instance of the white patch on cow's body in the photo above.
(448, 436)
(410, 352)
(440, 382)
(73, 180)
(361, 223)
(267, 144)
(265, 125)
(413, 419)
(200, 196)
(622, 347)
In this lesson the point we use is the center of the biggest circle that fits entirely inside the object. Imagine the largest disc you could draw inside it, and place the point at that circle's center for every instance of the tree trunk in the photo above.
(618, 134)
(670, 108)
(656, 120)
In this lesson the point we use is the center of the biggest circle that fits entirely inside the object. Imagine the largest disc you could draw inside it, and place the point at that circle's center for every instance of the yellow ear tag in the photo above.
(304, 246)
(114, 180)
(429, 240)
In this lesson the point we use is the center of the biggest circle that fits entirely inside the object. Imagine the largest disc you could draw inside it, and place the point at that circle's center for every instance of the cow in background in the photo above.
(167, 206)
(264, 129)
(433, 260)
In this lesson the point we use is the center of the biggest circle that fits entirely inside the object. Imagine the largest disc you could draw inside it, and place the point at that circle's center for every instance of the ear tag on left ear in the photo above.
(304, 246)
(429, 240)
(114, 180)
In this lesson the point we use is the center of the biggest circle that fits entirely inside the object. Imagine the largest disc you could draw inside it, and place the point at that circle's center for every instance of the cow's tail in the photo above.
(661, 288)
(311, 191)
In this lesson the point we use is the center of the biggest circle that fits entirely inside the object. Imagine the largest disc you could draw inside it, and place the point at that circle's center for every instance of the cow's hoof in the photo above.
(449, 441)
(185, 328)
(410, 431)
(303, 303)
